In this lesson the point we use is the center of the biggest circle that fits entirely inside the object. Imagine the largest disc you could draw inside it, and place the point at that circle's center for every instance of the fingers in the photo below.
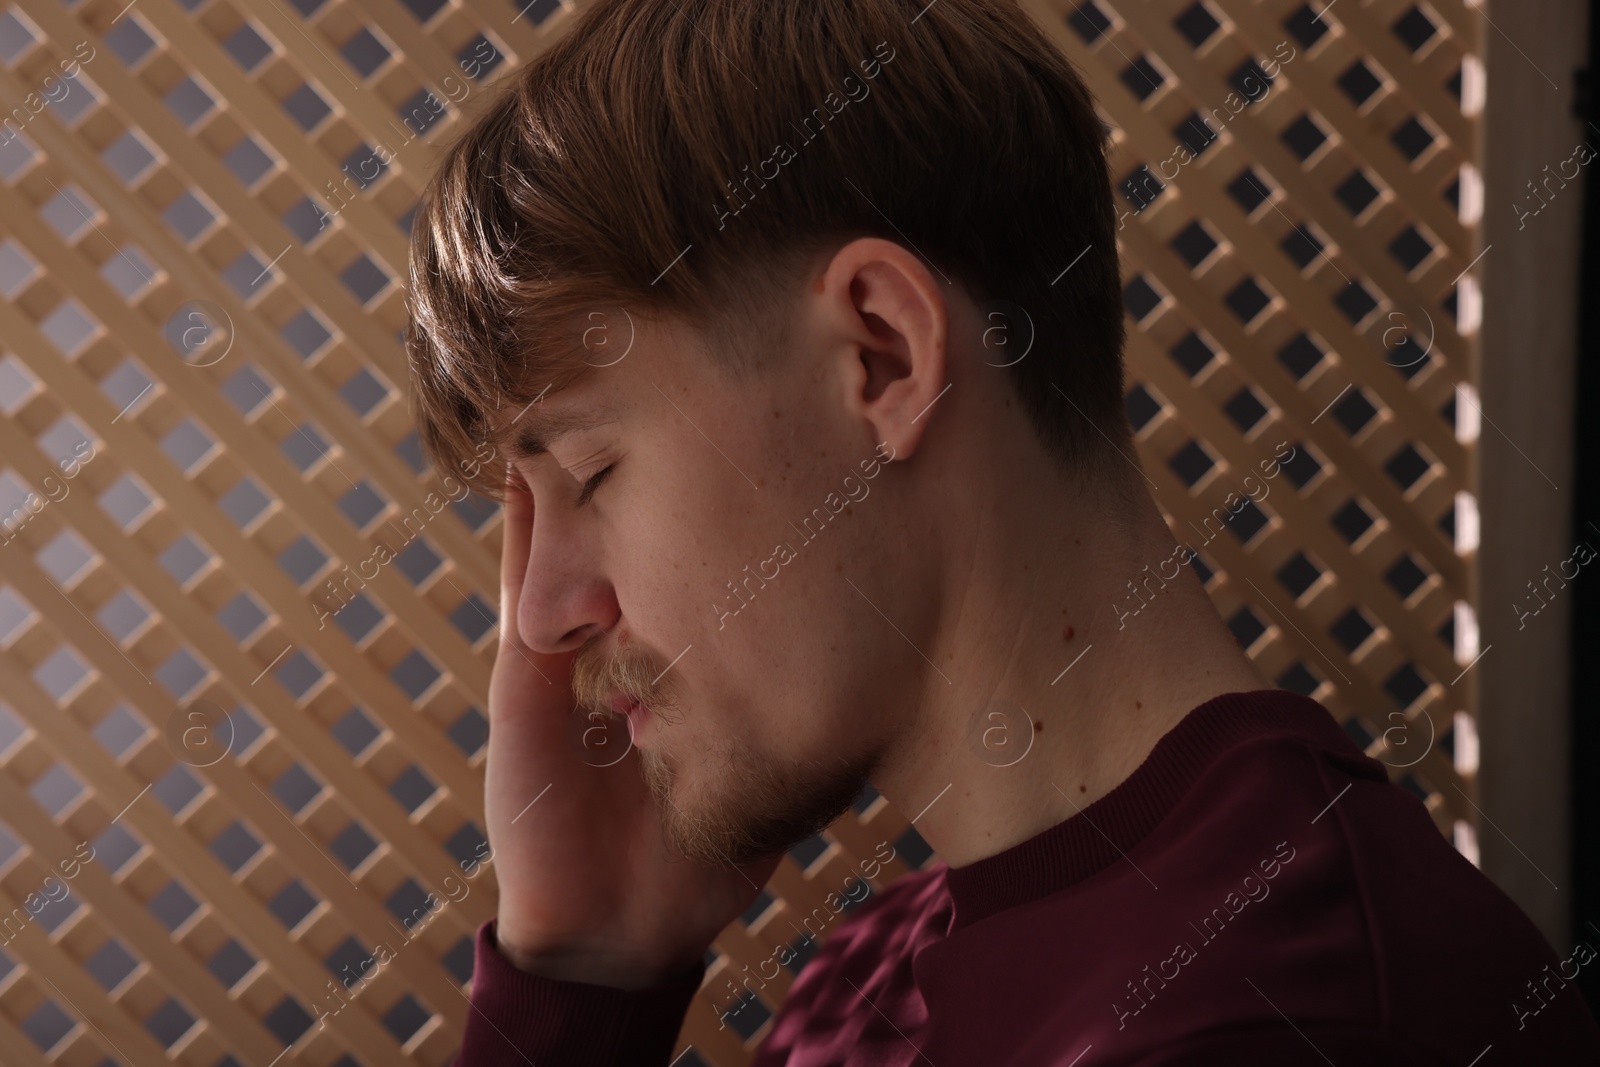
(516, 540)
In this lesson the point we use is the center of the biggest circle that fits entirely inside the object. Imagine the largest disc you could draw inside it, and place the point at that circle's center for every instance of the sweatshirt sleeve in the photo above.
(518, 1018)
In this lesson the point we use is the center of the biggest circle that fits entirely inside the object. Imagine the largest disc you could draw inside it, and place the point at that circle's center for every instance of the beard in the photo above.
(744, 804)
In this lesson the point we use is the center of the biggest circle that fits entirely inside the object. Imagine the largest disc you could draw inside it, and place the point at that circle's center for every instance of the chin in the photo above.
(737, 812)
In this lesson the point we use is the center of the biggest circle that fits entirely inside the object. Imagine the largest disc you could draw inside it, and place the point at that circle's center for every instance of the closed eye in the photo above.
(593, 483)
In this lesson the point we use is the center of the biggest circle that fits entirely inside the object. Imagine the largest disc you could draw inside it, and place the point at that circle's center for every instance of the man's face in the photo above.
(728, 572)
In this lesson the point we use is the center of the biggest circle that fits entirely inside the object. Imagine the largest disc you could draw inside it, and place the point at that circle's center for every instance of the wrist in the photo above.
(592, 966)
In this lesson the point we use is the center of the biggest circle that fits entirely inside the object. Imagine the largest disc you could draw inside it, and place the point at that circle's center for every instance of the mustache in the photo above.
(629, 669)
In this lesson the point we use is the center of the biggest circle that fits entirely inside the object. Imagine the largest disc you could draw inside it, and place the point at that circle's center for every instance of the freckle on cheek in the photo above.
(1068, 632)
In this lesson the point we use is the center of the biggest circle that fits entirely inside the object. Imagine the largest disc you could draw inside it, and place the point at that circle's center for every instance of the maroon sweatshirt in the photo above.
(1255, 894)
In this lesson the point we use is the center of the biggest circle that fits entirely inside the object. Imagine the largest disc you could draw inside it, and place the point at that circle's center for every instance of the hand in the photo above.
(589, 889)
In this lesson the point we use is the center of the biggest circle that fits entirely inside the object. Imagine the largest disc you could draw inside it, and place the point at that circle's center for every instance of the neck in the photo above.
(1055, 678)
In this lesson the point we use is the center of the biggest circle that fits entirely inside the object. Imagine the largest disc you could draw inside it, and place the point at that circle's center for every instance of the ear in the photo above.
(884, 320)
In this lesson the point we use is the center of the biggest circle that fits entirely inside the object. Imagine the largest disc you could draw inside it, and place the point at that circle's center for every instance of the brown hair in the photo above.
(688, 157)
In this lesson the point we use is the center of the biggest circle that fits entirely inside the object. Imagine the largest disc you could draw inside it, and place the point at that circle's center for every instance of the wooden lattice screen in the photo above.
(203, 216)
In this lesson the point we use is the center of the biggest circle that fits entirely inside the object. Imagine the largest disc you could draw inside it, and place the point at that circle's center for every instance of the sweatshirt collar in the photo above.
(1101, 834)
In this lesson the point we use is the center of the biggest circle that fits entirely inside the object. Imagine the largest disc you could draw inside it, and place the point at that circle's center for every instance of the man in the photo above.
(799, 328)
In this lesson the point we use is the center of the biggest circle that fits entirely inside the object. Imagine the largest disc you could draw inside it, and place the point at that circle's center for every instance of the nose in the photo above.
(565, 599)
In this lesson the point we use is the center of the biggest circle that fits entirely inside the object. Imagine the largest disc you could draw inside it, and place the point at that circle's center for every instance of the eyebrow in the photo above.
(533, 433)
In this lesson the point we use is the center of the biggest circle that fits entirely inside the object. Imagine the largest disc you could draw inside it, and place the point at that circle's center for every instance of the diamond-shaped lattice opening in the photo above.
(1352, 520)
(355, 731)
(412, 788)
(1141, 187)
(292, 903)
(1141, 406)
(1299, 678)
(115, 847)
(421, 110)
(418, 561)
(1304, 136)
(230, 963)
(1412, 137)
(352, 845)
(128, 157)
(247, 389)
(168, 1023)
(247, 47)
(1355, 301)
(1405, 685)
(296, 787)
(1407, 466)
(302, 560)
(120, 730)
(1298, 574)
(248, 161)
(55, 790)
(357, 617)
(415, 674)
(111, 964)
(1191, 463)
(1410, 248)
(177, 788)
(365, 52)
(467, 845)
(1247, 627)
(306, 106)
(1196, 23)
(1089, 22)
(1245, 409)
(1193, 244)
(173, 905)
(364, 278)
(1142, 78)
(1249, 190)
(1301, 245)
(235, 846)
(1356, 192)
(1250, 81)
(406, 1017)
(189, 101)
(1351, 630)
(123, 614)
(1354, 411)
(1406, 576)
(473, 617)
(470, 731)
(1140, 297)
(363, 391)
(305, 334)
(1195, 133)
(1247, 300)
(47, 1025)
(1307, 24)
(288, 1020)
(241, 616)
(1415, 28)
(1303, 466)
(1359, 82)
(245, 502)
(61, 673)
(412, 904)
(188, 216)
(298, 673)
